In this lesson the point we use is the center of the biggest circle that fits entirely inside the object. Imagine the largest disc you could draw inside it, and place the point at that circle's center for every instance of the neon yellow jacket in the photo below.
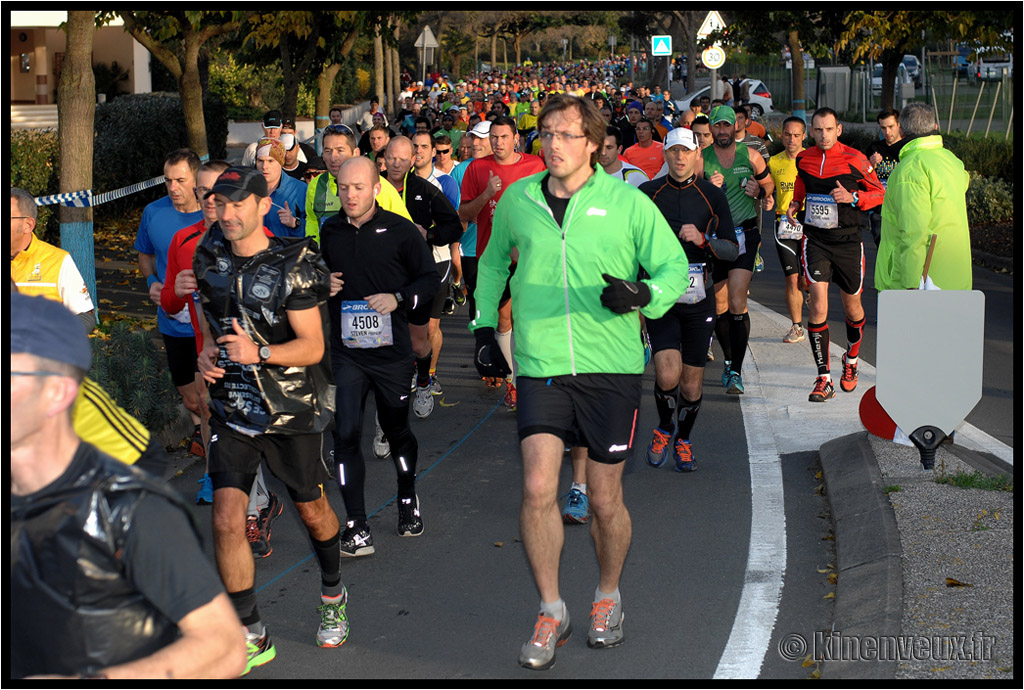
(926, 195)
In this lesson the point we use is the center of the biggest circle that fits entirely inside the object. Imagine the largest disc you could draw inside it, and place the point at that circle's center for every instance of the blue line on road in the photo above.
(392, 499)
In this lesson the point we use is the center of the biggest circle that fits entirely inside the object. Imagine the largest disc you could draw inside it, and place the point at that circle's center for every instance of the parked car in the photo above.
(760, 98)
(913, 66)
(991, 62)
(902, 77)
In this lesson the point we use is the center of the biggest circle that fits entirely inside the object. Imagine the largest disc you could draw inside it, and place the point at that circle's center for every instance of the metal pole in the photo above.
(995, 102)
(976, 104)
(949, 123)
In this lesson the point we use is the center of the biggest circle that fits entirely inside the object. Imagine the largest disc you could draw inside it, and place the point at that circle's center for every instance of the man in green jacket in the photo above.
(582, 236)
(926, 196)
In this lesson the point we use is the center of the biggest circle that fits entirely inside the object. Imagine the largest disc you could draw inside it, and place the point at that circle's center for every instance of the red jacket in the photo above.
(818, 172)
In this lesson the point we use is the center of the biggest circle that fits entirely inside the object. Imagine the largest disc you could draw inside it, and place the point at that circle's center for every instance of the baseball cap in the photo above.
(46, 328)
(238, 183)
(288, 141)
(482, 129)
(272, 119)
(723, 113)
(680, 136)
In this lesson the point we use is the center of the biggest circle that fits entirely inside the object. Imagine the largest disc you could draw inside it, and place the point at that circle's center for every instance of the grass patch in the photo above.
(977, 480)
(891, 489)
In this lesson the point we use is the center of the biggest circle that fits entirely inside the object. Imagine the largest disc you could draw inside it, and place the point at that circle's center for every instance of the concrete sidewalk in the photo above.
(899, 534)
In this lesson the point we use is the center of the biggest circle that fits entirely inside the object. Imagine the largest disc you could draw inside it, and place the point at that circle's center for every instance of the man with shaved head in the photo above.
(380, 269)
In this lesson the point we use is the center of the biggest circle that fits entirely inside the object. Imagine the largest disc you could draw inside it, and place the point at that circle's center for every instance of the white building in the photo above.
(37, 51)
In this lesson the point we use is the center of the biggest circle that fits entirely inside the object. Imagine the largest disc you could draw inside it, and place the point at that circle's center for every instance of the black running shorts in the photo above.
(789, 253)
(182, 359)
(295, 459)
(421, 315)
(834, 261)
(751, 242)
(687, 328)
(601, 409)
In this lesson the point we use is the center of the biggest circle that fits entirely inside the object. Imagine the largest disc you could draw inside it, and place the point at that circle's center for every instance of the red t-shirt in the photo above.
(179, 257)
(475, 182)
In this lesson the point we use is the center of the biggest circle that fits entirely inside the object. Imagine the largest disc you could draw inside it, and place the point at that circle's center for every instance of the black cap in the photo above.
(272, 119)
(238, 183)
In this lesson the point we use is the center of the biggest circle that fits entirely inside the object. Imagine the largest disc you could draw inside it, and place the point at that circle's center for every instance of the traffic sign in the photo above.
(426, 39)
(713, 57)
(712, 22)
(661, 45)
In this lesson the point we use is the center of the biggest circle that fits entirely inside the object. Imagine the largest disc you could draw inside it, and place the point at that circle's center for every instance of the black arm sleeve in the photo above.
(447, 227)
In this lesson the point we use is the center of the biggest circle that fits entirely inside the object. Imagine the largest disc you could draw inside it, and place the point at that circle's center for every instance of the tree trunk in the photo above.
(324, 87)
(396, 72)
(378, 67)
(494, 52)
(192, 99)
(890, 71)
(517, 44)
(76, 107)
(388, 104)
(799, 95)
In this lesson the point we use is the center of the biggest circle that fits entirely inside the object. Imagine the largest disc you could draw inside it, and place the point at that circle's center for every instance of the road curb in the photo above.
(869, 590)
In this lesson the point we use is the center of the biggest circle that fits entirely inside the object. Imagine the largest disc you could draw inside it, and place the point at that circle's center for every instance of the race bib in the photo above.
(695, 290)
(741, 240)
(789, 231)
(822, 211)
(363, 327)
(182, 316)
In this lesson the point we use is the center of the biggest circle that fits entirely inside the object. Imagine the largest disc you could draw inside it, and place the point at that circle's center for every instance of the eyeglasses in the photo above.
(342, 129)
(546, 137)
(37, 373)
(443, 152)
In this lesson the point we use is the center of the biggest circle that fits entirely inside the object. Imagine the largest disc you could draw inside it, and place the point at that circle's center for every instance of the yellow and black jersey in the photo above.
(103, 423)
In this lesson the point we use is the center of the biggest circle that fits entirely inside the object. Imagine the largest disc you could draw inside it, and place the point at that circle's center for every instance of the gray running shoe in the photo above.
(381, 446)
(423, 403)
(548, 634)
(333, 629)
(795, 335)
(605, 624)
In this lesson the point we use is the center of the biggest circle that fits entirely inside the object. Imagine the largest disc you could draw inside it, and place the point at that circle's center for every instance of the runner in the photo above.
(440, 226)
(646, 154)
(322, 195)
(160, 221)
(699, 210)
(744, 179)
(612, 163)
(603, 229)
(787, 237)
(379, 264)
(836, 185)
(485, 181)
(271, 397)
(178, 293)
(884, 155)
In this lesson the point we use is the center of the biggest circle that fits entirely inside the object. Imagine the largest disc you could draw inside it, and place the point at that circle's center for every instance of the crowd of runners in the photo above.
(587, 226)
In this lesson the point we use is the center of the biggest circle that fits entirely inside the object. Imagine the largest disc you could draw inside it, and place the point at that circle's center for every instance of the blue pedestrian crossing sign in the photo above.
(661, 45)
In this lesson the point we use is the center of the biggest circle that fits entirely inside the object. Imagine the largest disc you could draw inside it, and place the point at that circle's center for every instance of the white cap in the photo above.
(482, 129)
(680, 136)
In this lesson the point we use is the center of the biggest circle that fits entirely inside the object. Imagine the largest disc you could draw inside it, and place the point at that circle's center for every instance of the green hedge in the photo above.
(989, 200)
(35, 163)
(134, 134)
(988, 157)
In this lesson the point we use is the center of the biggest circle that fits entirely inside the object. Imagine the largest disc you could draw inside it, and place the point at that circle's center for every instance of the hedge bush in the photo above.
(989, 200)
(35, 167)
(134, 133)
(988, 157)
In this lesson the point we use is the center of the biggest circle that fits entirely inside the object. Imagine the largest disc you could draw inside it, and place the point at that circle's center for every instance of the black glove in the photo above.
(490, 362)
(624, 296)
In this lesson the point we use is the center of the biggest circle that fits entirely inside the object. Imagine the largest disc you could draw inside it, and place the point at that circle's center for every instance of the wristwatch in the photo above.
(264, 353)
(398, 298)
(856, 198)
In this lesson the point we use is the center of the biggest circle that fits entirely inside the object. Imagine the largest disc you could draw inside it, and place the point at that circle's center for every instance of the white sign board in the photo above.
(712, 22)
(426, 39)
(713, 57)
(661, 45)
(929, 356)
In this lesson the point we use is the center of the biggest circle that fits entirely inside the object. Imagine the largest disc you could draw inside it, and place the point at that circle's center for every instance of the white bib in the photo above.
(363, 327)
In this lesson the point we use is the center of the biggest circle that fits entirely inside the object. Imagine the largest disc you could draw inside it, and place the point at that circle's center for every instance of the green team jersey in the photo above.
(741, 206)
(561, 326)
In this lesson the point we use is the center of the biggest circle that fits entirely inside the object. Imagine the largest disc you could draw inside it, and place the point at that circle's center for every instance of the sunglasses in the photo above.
(443, 152)
(343, 129)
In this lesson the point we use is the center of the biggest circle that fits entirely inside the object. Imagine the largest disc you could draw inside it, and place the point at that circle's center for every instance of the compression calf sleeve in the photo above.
(666, 402)
(854, 336)
(739, 335)
(818, 335)
(722, 328)
(687, 416)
